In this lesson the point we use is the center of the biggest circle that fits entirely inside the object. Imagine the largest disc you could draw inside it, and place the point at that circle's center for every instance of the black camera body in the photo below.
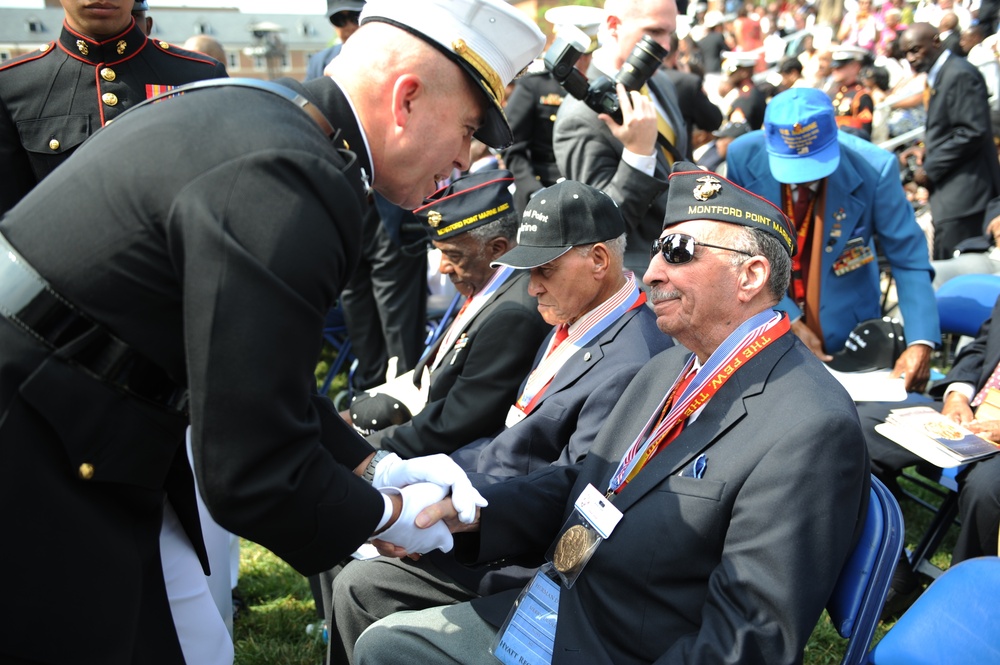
(600, 94)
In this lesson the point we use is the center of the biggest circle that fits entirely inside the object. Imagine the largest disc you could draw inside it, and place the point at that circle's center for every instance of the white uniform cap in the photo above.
(489, 39)
(731, 60)
(586, 19)
(848, 53)
(713, 18)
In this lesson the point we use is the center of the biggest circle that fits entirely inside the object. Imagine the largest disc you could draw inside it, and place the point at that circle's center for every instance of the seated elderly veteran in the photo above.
(476, 366)
(969, 396)
(711, 519)
(603, 335)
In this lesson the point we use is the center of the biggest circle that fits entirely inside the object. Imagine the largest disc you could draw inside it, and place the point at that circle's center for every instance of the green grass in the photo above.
(271, 629)
(279, 606)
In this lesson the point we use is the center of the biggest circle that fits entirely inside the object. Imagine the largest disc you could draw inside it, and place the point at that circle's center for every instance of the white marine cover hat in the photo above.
(490, 40)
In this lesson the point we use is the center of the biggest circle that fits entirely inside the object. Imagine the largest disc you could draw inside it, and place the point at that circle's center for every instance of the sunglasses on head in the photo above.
(678, 248)
(340, 19)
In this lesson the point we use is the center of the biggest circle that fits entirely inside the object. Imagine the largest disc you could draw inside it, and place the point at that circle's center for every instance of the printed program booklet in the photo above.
(929, 434)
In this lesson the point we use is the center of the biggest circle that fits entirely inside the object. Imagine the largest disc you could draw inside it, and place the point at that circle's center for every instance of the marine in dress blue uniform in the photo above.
(53, 99)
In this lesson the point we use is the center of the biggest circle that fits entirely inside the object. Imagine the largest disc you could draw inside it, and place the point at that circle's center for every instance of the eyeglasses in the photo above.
(340, 19)
(678, 248)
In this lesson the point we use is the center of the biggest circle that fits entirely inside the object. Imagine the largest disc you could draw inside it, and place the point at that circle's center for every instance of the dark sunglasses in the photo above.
(678, 248)
(340, 19)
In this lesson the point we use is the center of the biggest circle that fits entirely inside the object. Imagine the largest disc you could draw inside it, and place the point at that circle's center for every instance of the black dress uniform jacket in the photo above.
(216, 255)
(472, 389)
(52, 99)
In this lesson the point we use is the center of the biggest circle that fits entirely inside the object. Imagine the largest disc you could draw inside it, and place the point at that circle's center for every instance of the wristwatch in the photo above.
(369, 473)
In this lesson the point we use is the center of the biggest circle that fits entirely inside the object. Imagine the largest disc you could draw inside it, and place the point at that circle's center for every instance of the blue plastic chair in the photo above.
(965, 302)
(954, 621)
(335, 334)
(861, 590)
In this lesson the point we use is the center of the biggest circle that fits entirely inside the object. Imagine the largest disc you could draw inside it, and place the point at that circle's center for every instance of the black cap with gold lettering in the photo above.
(696, 194)
(472, 200)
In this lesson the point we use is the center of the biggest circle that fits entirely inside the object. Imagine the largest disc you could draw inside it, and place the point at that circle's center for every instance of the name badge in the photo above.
(514, 416)
(528, 635)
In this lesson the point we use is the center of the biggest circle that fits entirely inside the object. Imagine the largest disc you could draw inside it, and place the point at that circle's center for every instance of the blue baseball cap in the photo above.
(801, 133)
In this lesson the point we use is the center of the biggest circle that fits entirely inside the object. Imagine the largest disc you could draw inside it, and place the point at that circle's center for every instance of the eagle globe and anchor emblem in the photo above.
(709, 186)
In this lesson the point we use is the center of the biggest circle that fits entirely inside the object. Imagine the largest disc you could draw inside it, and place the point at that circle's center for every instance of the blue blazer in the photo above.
(561, 427)
(866, 195)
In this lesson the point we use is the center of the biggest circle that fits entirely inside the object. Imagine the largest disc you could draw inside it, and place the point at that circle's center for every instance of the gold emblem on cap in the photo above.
(709, 187)
(54, 144)
(108, 74)
(109, 98)
(121, 46)
(434, 219)
(81, 46)
(492, 83)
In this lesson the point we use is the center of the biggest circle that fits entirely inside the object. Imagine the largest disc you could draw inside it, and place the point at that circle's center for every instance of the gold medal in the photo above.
(572, 548)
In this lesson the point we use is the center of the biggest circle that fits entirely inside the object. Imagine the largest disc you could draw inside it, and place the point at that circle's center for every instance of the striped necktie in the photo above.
(662, 126)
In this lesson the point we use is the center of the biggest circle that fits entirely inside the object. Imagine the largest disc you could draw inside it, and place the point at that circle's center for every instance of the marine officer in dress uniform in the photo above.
(852, 101)
(533, 104)
(176, 272)
(52, 99)
(746, 102)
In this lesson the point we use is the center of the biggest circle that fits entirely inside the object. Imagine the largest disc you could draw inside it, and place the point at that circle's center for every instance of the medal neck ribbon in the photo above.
(581, 333)
(750, 338)
(469, 312)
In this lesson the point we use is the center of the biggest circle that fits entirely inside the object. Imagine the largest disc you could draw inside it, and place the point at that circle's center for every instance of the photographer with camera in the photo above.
(628, 160)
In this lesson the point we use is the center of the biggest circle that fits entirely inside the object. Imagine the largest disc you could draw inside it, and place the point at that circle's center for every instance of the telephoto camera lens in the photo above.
(645, 59)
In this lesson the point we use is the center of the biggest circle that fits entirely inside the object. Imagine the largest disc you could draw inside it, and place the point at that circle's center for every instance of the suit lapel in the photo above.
(585, 359)
(503, 288)
(942, 77)
(721, 413)
(842, 207)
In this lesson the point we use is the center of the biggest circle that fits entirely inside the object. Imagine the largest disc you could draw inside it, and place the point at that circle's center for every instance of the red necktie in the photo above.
(803, 198)
(672, 433)
(562, 332)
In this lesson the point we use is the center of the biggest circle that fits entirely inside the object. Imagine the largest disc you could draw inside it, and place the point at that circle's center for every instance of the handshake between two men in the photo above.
(435, 483)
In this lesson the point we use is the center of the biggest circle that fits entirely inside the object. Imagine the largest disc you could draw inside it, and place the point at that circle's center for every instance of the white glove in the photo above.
(404, 531)
(440, 469)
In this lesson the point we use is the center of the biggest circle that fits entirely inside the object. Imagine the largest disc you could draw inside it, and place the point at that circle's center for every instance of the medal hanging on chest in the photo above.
(594, 518)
